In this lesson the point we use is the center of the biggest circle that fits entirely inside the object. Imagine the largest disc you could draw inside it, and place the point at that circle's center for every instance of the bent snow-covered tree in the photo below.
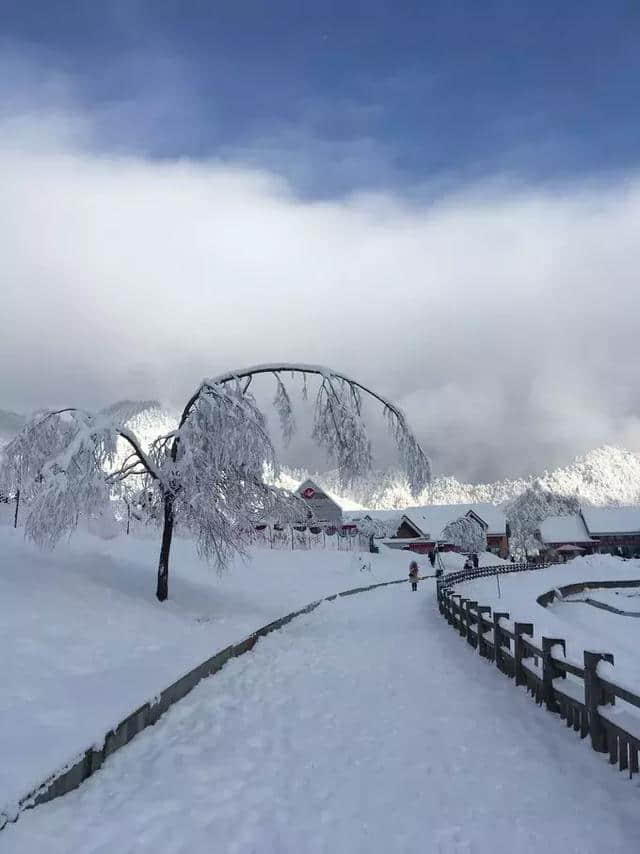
(467, 534)
(208, 474)
(211, 468)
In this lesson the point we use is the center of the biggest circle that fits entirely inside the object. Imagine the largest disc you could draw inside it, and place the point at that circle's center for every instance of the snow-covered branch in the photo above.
(63, 462)
(338, 425)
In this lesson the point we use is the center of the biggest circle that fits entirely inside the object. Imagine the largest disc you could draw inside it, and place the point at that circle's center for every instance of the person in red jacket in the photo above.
(413, 574)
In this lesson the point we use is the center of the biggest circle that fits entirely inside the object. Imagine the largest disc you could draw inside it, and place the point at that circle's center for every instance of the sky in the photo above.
(442, 199)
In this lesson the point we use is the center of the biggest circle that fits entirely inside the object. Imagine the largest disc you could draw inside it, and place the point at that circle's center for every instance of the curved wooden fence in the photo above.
(488, 571)
(85, 764)
(583, 693)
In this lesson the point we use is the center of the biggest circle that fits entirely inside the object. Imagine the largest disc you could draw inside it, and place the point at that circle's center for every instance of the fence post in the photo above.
(520, 629)
(447, 604)
(482, 645)
(463, 622)
(497, 635)
(594, 696)
(468, 606)
(454, 619)
(549, 672)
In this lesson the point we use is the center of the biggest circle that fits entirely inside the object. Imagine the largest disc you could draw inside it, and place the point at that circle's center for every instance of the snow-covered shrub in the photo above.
(467, 534)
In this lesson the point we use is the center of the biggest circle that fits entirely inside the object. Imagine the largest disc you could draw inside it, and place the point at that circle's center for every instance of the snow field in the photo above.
(366, 726)
(84, 641)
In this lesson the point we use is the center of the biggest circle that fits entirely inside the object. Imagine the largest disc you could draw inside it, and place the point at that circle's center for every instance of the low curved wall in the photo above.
(568, 589)
(87, 763)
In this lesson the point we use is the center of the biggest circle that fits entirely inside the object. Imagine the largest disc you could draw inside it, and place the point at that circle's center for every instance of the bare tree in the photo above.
(208, 474)
(467, 534)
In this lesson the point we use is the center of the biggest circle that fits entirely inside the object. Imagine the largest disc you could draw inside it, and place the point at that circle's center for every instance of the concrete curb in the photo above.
(82, 766)
(578, 587)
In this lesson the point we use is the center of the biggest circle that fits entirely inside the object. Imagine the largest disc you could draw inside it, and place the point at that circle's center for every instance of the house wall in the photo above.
(589, 548)
(628, 543)
(498, 544)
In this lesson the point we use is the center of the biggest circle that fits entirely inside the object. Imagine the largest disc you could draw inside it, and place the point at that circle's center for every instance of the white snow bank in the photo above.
(366, 727)
(84, 641)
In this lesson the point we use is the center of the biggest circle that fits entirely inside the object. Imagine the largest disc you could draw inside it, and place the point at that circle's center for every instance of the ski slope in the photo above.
(366, 726)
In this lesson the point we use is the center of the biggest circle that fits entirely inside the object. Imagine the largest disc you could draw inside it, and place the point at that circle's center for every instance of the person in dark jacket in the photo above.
(413, 575)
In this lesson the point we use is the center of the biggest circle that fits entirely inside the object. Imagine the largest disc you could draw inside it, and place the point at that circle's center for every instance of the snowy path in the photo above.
(367, 726)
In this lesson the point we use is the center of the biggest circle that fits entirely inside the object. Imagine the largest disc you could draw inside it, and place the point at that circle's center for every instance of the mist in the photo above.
(502, 317)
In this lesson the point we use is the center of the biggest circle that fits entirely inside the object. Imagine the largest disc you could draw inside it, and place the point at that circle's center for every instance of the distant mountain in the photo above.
(604, 476)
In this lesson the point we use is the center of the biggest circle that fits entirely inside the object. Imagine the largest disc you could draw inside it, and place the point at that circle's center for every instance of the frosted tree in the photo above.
(376, 528)
(210, 470)
(60, 463)
(526, 511)
(207, 475)
(467, 534)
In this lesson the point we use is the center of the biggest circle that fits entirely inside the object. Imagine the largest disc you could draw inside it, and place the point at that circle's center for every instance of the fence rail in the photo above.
(486, 571)
(583, 693)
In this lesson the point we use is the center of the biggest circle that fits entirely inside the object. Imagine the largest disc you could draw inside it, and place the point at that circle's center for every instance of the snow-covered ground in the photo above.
(367, 726)
(583, 626)
(84, 641)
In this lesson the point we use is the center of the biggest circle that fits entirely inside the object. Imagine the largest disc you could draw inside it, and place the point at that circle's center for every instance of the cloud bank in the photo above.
(504, 318)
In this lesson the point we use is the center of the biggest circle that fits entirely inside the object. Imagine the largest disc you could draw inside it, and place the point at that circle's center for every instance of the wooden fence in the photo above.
(486, 571)
(582, 693)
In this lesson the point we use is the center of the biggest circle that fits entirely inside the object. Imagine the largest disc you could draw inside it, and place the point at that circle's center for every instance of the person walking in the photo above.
(413, 575)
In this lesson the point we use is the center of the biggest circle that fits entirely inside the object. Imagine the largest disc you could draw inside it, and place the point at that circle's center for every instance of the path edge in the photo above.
(71, 775)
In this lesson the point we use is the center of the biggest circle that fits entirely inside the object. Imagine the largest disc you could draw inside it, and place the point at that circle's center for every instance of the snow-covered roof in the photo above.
(611, 520)
(564, 529)
(433, 519)
(381, 515)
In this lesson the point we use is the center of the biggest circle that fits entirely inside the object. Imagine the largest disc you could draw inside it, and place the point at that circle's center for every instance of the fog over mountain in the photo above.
(604, 475)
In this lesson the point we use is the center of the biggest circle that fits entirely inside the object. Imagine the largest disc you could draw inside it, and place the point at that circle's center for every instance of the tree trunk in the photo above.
(15, 518)
(162, 590)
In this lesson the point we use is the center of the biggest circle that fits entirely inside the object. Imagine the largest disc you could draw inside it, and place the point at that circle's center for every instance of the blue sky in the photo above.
(344, 96)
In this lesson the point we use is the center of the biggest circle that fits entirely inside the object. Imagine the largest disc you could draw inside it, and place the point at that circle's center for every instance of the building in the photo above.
(421, 529)
(323, 509)
(613, 530)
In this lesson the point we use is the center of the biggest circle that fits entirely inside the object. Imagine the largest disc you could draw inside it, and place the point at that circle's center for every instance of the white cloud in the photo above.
(504, 318)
